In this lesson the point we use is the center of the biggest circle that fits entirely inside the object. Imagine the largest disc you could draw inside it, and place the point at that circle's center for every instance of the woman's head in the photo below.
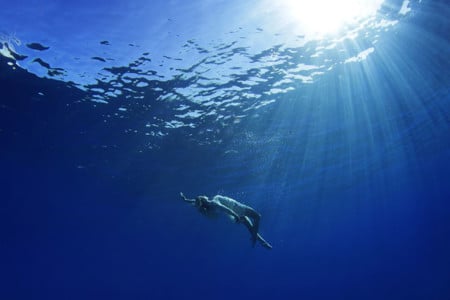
(200, 201)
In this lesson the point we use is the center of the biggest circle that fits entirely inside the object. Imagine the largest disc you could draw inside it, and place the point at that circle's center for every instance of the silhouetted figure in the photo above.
(240, 213)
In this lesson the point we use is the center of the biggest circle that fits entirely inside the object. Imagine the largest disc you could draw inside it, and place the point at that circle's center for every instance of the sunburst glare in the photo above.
(323, 17)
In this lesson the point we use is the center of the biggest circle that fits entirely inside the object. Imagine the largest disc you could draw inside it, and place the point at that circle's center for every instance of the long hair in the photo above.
(201, 202)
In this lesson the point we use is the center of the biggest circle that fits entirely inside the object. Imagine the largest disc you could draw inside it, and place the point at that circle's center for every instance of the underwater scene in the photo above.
(225, 149)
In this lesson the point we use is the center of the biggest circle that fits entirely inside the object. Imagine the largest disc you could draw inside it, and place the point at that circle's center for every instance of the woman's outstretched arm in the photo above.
(186, 199)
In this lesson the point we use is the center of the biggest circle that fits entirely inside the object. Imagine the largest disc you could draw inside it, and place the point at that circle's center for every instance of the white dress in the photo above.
(239, 208)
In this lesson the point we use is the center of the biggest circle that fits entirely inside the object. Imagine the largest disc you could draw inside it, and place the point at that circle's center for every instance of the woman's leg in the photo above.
(264, 243)
(255, 217)
(248, 223)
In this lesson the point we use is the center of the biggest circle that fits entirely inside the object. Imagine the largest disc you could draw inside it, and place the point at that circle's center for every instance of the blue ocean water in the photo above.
(109, 111)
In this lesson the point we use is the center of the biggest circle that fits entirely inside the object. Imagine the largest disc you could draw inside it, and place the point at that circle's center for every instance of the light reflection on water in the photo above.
(187, 82)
